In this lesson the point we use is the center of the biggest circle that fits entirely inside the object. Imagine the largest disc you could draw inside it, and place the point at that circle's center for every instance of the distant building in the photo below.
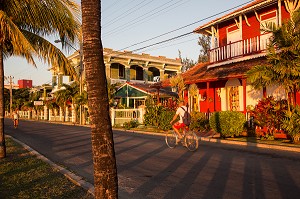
(127, 66)
(25, 83)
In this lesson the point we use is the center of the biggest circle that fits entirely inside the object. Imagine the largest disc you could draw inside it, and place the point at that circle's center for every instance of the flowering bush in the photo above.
(269, 112)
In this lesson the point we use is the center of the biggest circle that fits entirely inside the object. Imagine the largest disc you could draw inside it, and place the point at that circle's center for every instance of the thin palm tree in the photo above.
(105, 169)
(283, 67)
(24, 25)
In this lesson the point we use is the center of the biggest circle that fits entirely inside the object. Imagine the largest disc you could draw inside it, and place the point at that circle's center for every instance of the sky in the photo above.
(135, 24)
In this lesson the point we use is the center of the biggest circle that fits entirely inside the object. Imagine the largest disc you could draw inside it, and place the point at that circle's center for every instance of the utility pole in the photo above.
(10, 94)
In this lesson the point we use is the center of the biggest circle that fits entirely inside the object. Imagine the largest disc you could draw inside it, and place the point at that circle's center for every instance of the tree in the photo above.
(105, 168)
(283, 67)
(23, 28)
(186, 63)
(204, 43)
(178, 82)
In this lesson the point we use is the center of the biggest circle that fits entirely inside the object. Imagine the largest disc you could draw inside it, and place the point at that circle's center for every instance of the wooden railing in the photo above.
(240, 48)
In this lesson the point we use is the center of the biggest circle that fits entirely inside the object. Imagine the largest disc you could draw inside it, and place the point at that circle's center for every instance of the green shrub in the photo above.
(199, 121)
(158, 115)
(291, 124)
(227, 123)
(130, 124)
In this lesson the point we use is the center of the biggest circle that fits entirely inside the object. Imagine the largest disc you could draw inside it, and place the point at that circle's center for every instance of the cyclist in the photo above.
(179, 124)
(15, 119)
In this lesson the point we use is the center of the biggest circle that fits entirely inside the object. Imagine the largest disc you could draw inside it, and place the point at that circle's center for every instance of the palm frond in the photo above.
(50, 54)
(14, 41)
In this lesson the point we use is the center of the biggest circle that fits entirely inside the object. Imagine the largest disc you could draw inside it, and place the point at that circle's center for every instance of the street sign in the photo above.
(38, 103)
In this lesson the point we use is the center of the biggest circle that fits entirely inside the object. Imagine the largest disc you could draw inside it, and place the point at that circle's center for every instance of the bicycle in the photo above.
(189, 140)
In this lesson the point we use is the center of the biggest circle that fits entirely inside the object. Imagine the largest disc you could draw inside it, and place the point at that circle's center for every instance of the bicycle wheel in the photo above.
(191, 140)
(171, 139)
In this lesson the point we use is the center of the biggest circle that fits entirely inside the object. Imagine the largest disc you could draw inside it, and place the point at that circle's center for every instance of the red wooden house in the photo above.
(237, 44)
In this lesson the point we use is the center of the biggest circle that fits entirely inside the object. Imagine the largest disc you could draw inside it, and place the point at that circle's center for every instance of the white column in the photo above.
(50, 114)
(45, 113)
(67, 114)
(112, 116)
(73, 114)
(60, 114)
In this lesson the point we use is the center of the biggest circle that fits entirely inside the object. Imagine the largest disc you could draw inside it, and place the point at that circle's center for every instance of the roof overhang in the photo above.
(256, 4)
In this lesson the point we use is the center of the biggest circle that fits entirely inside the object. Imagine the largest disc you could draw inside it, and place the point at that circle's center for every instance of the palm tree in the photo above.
(105, 169)
(283, 68)
(23, 26)
(178, 82)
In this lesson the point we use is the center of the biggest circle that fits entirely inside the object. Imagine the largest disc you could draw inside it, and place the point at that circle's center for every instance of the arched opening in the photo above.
(117, 71)
(153, 72)
(136, 72)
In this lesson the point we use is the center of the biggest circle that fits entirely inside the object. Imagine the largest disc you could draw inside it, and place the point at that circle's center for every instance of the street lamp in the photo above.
(80, 73)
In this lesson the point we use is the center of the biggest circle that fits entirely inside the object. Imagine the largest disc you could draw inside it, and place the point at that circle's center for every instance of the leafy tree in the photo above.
(186, 63)
(177, 81)
(105, 168)
(204, 43)
(23, 27)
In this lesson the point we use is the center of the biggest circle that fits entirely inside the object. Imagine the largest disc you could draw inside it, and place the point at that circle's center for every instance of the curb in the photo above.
(229, 142)
(79, 181)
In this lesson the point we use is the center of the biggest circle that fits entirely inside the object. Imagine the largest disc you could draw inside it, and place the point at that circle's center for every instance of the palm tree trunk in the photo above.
(2, 138)
(105, 170)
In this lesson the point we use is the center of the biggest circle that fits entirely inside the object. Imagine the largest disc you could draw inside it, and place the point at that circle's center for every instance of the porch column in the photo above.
(244, 82)
(107, 70)
(145, 75)
(127, 73)
(207, 95)
(161, 75)
(45, 113)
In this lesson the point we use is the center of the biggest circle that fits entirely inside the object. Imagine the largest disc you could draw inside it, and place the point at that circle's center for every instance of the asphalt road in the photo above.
(148, 169)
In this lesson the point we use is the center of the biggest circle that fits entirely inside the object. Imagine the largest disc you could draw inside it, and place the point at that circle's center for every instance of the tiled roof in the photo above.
(150, 89)
(200, 73)
(244, 9)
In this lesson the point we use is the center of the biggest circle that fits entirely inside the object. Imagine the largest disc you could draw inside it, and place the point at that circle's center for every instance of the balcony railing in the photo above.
(240, 48)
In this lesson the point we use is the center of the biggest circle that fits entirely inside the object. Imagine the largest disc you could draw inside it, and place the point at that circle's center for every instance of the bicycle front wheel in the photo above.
(171, 139)
(191, 140)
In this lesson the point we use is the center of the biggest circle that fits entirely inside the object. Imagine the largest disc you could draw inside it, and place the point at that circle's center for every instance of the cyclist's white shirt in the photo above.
(181, 112)
(16, 116)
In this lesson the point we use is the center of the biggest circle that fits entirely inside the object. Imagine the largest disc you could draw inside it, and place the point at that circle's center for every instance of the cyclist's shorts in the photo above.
(178, 125)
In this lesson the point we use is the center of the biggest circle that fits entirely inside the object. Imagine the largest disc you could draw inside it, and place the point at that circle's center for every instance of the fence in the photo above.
(120, 116)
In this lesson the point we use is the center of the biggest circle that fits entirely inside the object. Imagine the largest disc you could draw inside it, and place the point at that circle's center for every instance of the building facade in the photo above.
(129, 67)
(25, 83)
(237, 44)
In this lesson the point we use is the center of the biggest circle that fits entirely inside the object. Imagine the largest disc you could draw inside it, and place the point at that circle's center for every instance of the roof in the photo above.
(150, 89)
(243, 10)
(200, 72)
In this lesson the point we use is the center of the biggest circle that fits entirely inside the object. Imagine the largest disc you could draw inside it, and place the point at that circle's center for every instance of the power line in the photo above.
(176, 37)
(185, 26)
(140, 19)
(130, 10)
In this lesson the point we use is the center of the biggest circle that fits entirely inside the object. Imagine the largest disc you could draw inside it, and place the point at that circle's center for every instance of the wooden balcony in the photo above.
(239, 49)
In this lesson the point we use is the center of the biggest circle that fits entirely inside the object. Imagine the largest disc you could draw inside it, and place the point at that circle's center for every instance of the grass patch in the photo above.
(24, 176)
